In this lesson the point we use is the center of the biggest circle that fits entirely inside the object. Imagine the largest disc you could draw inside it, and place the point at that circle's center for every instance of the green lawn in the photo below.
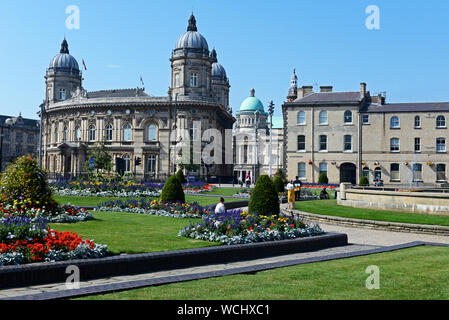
(134, 233)
(225, 191)
(330, 208)
(95, 201)
(416, 273)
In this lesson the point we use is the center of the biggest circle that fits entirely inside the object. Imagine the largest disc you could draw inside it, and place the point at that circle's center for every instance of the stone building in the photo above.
(353, 134)
(252, 141)
(18, 136)
(134, 124)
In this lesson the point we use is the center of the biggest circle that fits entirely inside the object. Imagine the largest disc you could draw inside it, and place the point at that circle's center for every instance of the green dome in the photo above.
(252, 104)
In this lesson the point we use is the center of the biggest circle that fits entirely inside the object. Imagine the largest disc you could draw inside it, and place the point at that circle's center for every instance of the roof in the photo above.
(251, 104)
(330, 97)
(278, 122)
(406, 107)
(117, 93)
(24, 123)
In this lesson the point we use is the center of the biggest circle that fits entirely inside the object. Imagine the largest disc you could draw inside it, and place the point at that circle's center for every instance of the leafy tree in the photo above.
(264, 198)
(278, 183)
(323, 178)
(102, 160)
(282, 175)
(172, 190)
(364, 182)
(180, 176)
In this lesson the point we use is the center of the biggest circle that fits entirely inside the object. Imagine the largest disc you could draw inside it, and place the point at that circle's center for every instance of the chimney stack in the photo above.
(362, 90)
(326, 89)
(307, 90)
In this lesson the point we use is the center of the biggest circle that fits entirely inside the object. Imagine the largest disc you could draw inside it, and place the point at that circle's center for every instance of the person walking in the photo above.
(248, 180)
(297, 184)
(220, 208)
(291, 195)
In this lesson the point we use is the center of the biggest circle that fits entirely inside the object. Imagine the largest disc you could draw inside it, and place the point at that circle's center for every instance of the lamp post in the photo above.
(176, 135)
(270, 150)
(256, 162)
(9, 122)
(40, 134)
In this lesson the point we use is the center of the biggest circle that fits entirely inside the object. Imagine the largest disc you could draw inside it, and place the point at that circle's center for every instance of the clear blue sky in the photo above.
(258, 42)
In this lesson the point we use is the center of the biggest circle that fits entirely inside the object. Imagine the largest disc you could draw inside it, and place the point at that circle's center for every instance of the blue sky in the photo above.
(258, 42)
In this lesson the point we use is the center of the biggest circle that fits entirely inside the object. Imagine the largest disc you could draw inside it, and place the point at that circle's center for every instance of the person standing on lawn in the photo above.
(220, 208)
(297, 184)
(291, 195)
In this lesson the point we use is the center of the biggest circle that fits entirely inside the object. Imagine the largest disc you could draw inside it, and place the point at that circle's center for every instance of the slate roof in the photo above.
(116, 93)
(407, 107)
(330, 97)
(26, 122)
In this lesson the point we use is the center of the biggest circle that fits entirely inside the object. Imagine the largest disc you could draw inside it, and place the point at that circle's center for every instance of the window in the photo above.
(441, 122)
(378, 174)
(301, 118)
(394, 145)
(348, 143)
(77, 134)
(348, 117)
(62, 94)
(127, 133)
(323, 143)
(365, 172)
(301, 143)
(109, 132)
(417, 172)
(127, 160)
(441, 145)
(441, 172)
(194, 131)
(152, 133)
(417, 144)
(30, 138)
(394, 172)
(394, 122)
(365, 119)
(301, 170)
(56, 136)
(417, 122)
(19, 136)
(65, 135)
(152, 164)
(323, 117)
(323, 168)
(194, 80)
(92, 131)
(177, 83)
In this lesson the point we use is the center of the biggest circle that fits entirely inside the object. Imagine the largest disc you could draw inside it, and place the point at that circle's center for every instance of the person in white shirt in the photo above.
(291, 195)
(220, 208)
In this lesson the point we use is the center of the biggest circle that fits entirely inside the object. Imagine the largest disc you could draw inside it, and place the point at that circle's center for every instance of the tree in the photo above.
(102, 160)
(172, 190)
(180, 176)
(282, 175)
(323, 178)
(278, 183)
(264, 198)
(364, 182)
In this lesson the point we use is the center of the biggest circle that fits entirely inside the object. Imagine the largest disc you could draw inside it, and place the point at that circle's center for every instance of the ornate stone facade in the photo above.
(133, 123)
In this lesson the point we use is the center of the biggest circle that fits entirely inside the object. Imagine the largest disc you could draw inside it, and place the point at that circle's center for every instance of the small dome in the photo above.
(218, 71)
(252, 104)
(192, 39)
(64, 60)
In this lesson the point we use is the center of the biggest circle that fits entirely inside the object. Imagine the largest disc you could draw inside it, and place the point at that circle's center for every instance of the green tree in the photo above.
(264, 198)
(180, 175)
(323, 178)
(280, 172)
(172, 190)
(102, 160)
(364, 182)
(278, 183)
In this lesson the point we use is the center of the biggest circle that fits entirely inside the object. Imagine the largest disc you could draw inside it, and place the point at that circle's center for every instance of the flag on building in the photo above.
(84, 64)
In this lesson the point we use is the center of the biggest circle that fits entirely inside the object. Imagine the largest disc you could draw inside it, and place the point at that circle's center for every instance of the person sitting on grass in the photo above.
(220, 208)
(324, 195)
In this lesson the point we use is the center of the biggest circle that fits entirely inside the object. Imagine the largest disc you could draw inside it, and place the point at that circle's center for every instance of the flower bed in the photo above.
(197, 187)
(154, 207)
(238, 227)
(23, 240)
(243, 194)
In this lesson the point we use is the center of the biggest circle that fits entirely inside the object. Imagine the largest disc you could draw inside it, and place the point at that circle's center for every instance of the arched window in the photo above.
(127, 161)
(394, 122)
(348, 117)
(194, 80)
(108, 132)
(62, 94)
(417, 122)
(323, 117)
(92, 132)
(127, 133)
(378, 174)
(56, 135)
(301, 118)
(323, 168)
(152, 132)
(441, 122)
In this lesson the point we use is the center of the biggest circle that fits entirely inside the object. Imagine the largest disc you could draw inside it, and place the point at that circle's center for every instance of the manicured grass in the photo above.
(95, 201)
(225, 191)
(330, 208)
(134, 233)
(416, 273)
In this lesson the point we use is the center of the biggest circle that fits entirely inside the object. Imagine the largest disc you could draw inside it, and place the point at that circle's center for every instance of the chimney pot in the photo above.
(363, 90)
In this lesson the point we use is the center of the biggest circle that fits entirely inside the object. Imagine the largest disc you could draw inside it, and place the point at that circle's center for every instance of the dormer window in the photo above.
(62, 94)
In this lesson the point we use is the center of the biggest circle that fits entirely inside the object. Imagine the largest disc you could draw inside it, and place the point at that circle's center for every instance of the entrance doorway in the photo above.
(348, 173)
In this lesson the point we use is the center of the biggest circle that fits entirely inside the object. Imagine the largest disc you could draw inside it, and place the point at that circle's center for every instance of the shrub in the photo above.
(180, 176)
(364, 181)
(283, 176)
(323, 178)
(172, 190)
(278, 184)
(264, 198)
(24, 185)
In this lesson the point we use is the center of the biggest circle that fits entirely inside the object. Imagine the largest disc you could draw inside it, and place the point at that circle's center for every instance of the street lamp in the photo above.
(256, 162)
(271, 112)
(176, 135)
(9, 122)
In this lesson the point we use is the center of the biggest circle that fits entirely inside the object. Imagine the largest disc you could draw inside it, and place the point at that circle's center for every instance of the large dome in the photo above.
(252, 104)
(64, 60)
(218, 71)
(192, 39)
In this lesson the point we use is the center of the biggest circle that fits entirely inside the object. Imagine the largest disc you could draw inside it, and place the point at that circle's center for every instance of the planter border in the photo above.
(46, 273)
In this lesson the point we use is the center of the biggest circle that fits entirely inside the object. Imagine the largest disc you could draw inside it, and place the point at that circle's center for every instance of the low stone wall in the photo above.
(43, 273)
(415, 202)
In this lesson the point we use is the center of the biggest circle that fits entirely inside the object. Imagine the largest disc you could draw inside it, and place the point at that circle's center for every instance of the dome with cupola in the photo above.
(218, 71)
(64, 61)
(192, 39)
(252, 104)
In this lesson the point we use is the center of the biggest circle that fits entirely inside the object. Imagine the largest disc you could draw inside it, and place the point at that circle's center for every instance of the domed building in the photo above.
(252, 141)
(143, 133)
